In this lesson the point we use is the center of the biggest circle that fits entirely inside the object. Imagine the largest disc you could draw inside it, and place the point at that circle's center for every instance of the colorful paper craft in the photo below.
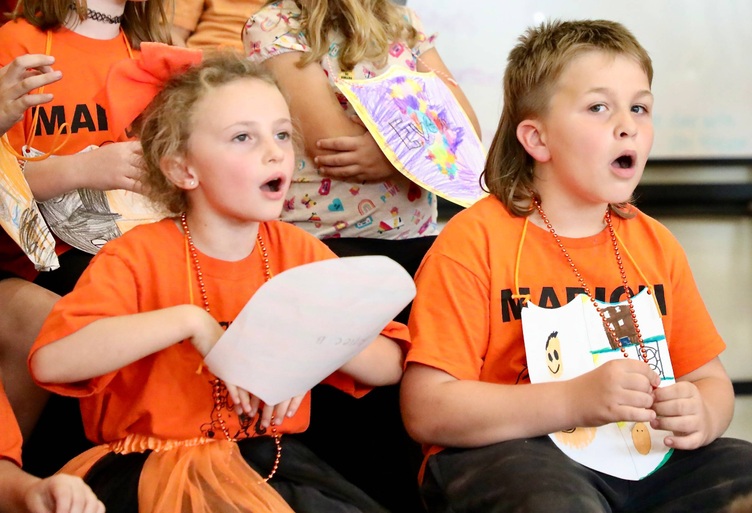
(86, 218)
(20, 217)
(423, 131)
(563, 343)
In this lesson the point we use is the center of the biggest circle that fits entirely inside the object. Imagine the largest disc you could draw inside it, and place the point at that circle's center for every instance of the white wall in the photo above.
(700, 51)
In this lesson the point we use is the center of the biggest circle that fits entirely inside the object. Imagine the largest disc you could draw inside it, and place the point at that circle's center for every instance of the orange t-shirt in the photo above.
(214, 22)
(84, 63)
(10, 434)
(465, 322)
(146, 269)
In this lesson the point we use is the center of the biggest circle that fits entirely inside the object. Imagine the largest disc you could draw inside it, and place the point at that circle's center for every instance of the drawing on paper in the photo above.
(566, 342)
(422, 130)
(20, 217)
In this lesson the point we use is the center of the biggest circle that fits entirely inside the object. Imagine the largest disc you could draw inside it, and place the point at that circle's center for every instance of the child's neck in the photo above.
(572, 221)
(221, 239)
(98, 29)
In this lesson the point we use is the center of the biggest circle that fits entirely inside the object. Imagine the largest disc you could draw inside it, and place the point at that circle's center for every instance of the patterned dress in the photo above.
(394, 209)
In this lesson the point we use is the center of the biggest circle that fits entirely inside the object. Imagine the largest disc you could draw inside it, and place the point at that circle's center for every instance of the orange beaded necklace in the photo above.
(610, 330)
(219, 390)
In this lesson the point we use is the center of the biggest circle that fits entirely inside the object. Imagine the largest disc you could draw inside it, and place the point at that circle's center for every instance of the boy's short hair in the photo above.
(533, 68)
(167, 123)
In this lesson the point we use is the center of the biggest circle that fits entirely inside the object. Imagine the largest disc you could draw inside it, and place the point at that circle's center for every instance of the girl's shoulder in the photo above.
(273, 29)
(19, 36)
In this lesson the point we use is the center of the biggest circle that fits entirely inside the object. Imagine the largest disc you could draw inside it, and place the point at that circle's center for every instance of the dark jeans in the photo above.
(533, 475)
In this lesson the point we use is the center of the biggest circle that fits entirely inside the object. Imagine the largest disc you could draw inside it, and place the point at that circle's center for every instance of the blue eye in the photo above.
(283, 136)
(598, 108)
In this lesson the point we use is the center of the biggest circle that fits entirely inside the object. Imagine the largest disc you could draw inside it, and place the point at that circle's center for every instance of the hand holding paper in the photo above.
(282, 344)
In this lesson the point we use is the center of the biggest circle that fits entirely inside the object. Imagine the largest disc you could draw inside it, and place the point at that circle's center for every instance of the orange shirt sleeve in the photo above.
(10, 434)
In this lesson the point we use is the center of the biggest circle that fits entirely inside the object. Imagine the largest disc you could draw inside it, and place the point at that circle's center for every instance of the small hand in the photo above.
(680, 409)
(112, 166)
(618, 390)
(357, 159)
(248, 404)
(62, 493)
(24, 74)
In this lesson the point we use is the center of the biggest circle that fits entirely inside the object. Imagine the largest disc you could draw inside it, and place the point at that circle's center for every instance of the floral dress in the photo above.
(393, 209)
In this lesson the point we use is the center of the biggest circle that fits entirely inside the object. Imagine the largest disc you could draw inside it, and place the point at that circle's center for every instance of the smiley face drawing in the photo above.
(553, 355)
(641, 438)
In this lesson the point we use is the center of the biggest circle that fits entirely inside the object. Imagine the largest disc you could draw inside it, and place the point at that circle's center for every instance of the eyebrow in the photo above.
(605, 90)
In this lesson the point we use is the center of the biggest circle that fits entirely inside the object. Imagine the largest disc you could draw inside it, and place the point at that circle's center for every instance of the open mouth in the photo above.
(272, 185)
(625, 161)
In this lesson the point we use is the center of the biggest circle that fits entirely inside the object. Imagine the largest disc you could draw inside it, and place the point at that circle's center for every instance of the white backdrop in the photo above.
(700, 51)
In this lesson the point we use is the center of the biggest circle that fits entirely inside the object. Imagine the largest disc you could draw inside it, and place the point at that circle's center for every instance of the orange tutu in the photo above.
(195, 476)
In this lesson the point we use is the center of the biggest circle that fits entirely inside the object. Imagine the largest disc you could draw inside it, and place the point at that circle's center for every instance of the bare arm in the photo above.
(112, 166)
(440, 409)
(312, 103)
(83, 355)
(22, 492)
(698, 408)
(378, 364)
(180, 36)
(358, 158)
(431, 61)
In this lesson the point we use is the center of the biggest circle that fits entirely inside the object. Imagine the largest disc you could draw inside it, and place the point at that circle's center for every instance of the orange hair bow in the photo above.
(133, 83)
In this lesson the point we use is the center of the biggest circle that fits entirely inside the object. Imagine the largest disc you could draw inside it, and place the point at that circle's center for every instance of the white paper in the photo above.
(308, 321)
(566, 342)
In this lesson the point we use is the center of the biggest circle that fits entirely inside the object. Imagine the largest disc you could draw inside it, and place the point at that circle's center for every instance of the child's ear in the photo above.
(529, 133)
(177, 171)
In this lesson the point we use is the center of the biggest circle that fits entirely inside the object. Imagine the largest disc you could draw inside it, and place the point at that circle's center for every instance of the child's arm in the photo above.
(356, 157)
(430, 60)
(697, 408)
(22, 492)
(82, 355)
(440, 409)
(179, 36)
(320, 115)
(378, 364)
(112, 166)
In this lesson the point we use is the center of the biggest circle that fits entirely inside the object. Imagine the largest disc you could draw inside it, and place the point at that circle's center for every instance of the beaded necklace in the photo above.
(610, 330)
(219, 391)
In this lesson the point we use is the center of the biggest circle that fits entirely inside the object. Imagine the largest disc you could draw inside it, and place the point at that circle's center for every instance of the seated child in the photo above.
(218, 154)
(571, 146)
(22, 492)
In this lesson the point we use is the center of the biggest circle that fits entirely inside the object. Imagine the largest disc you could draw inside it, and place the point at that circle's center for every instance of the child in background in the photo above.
(128, 340)
(211, 23)
(347, 193)
(571, 146)
(20, 491)
(86, 39)
(23, 305)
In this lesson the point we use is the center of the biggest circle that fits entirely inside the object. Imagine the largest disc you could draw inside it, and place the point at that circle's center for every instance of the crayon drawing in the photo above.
(563, 343)
(422, 130)
(20, 217)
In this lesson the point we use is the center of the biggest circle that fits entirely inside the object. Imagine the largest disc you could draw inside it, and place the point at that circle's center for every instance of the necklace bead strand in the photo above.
(625, 284)
(218, 387)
